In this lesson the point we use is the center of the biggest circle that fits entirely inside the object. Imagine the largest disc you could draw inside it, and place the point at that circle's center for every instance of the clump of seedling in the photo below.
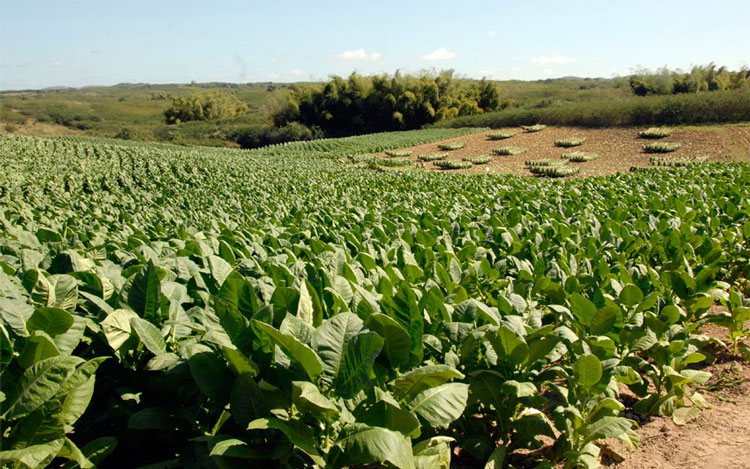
(545, 162)
(451, 146)
(500, 135)
(570, 142)
(554, 171)
(579, 156)
(390, 163)
(533, 128)
(452, 164)
(432, 156)
(510, 150)
(678, 161)
(661, 147)
(480, 159)
(655, 132)
(398, 153)
(362, 159)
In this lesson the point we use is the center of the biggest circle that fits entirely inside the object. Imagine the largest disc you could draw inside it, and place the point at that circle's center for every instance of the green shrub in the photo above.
(509, 150)
(677, 161)
(206, 105)
(545, 162)
(10, 128)
(391, 162)
(661, 147)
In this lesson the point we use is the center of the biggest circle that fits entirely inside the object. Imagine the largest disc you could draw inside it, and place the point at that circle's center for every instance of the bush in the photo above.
(261, 136)
(10, 128)
(124, 134)
(206, 105)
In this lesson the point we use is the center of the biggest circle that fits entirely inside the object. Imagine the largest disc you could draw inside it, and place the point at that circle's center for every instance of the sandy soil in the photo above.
(718, 439)
(619, 149)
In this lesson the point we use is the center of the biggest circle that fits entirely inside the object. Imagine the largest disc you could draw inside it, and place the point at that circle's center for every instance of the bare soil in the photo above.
(42, 129)
(619, 149)
(718, 439)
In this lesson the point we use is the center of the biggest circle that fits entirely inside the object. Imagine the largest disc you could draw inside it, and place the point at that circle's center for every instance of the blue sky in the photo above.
(104, 42)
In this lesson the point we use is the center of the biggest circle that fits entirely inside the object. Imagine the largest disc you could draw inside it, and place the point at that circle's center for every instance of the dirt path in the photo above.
(718, 439)
(619, 149)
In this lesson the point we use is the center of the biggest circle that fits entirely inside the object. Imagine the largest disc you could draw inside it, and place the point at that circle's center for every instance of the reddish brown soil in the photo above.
(619, 149)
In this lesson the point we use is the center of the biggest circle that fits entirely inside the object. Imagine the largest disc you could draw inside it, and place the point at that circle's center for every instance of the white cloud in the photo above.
(439, 54)
(558, 59)
(492, 34)
(273, 75)
(57, 63)
(358, 54)
(548, 71)
(297, 72)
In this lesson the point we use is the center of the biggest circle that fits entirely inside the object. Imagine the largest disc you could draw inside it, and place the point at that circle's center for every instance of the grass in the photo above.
(661, 147)
(509, 150)
(617, 111)
(570, 142)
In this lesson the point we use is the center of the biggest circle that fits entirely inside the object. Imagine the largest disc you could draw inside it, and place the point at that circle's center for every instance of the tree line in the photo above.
(700, 78)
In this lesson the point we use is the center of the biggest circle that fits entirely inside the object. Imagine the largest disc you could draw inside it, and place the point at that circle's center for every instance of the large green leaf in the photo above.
(308, 398)
(587, 371)
(509, 346)
(37, 347)
(298, 433)
(149, 335)
(412, 383)
(397, 343)
(357, 362)
(247, 401)
(53, 321)
(66, 291)
(38, 384)
(117, 329)
(77, 401)
(293, 348)
(145, 292)
(582, 308)
(331, 339)
(441, 405)
(362, 444)
(211, 375)
(43, 425)
(33, 457)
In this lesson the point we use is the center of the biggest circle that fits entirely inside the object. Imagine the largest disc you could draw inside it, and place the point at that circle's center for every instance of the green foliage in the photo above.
(261, 136)
(693, 108)
(700, 78)
(358, 104)
(177, 307)
(432, 156)
(677, 161)
(205, 105)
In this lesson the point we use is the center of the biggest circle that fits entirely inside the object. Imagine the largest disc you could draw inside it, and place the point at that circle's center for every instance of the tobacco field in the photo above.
(163, 306)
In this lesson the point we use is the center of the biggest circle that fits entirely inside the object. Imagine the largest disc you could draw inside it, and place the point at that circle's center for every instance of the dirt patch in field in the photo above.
(619, 149)
(717, 439)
